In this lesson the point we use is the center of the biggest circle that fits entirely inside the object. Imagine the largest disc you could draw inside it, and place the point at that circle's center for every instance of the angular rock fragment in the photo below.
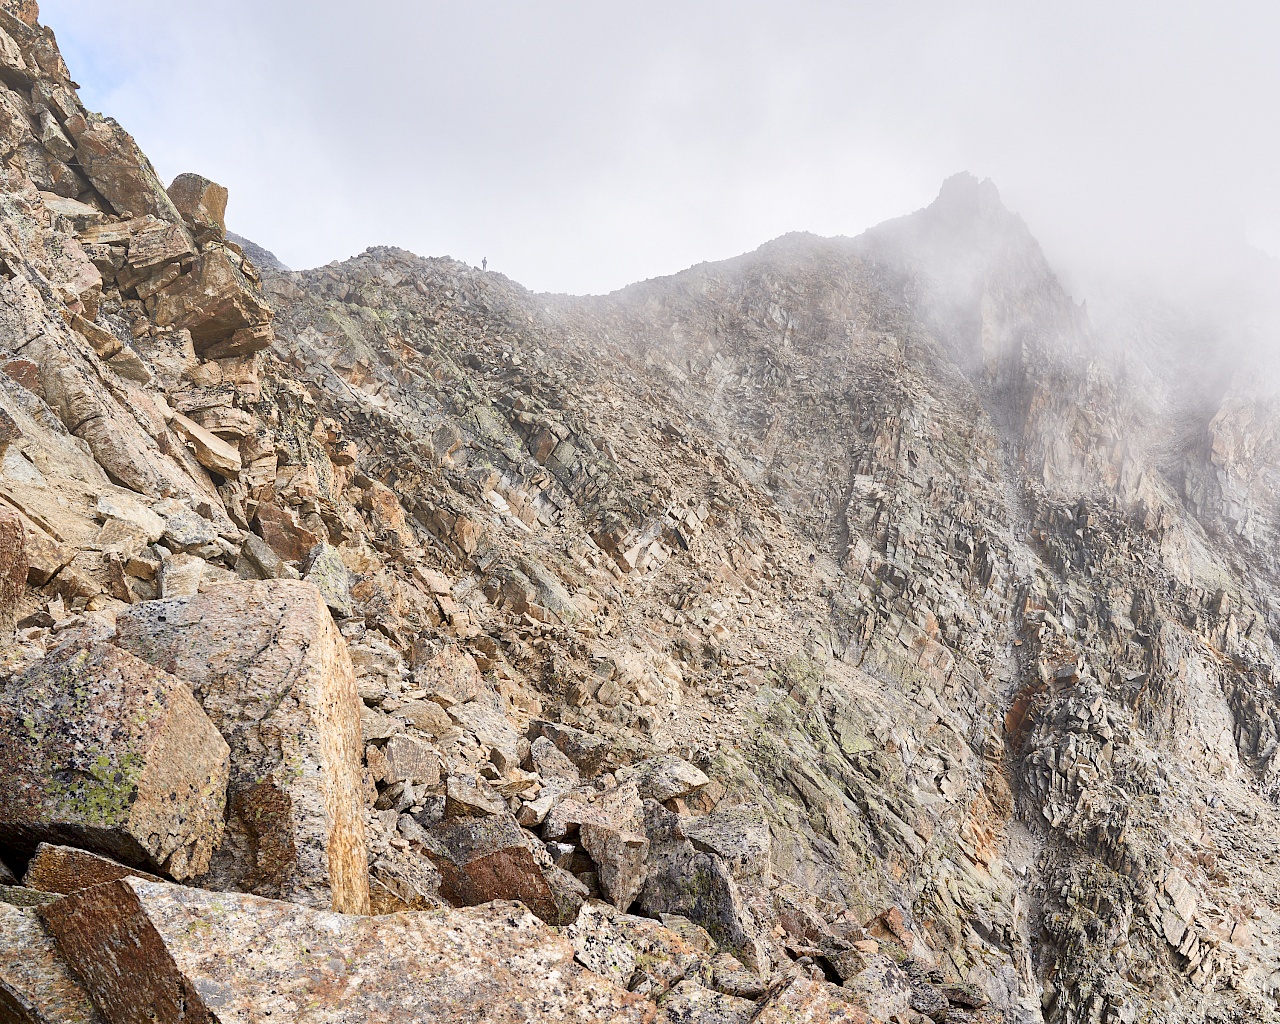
(798, 1000)
(589, 753)
(165, 954)
(13, 568)
(272, 672)
(64, 869)
(325, 570)
(682, 880)
(213, 300)
(210, 450)
(664, 778)
(739, 836)
(202, 204)
(112, 161)
(691, 1003)
(485, 859)
(621, 859)
(638, 952)
(36, 986)
(102, 750)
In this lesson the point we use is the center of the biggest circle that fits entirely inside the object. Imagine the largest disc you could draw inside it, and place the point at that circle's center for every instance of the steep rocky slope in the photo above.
(847, 630)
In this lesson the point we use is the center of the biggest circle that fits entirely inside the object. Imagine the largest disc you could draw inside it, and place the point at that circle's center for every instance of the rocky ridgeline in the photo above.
(827, 634)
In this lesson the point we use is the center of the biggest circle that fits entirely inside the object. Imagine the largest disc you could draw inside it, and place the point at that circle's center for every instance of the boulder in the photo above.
(412, 759)
(798, 1000)
(589, 753)
(210, 450)
(691, 1003)
(483, 859)
(450, 676)
(64, 869)
(111, 160)
(639, 953)
(272, 672)
(329, 575)
(875, 982)
(164, 954)
(213, 300)
(664, 778)
(283, 533)
(102, 750)
(682, 880)
(739, 836)
(202, 204)
(13, 569)
(35, 985)
(621, 858)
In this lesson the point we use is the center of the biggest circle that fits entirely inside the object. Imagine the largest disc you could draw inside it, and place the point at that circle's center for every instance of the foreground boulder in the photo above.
(100, 749)
(271, 670)
(162, 953)
(35, 985)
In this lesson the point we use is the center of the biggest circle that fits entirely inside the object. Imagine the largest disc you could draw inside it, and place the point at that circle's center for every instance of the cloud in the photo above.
(580, 146)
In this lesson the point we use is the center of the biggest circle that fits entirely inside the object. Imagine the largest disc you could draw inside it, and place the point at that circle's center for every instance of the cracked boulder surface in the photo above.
(854, 629)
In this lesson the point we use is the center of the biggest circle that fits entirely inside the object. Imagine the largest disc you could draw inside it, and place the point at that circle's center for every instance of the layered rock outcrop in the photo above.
(837, 632)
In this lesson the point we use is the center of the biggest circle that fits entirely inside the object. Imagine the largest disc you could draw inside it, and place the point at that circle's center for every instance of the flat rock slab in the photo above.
(65, 869)
(271, 670)
(35, 985)
(153, 953)
(102, 750)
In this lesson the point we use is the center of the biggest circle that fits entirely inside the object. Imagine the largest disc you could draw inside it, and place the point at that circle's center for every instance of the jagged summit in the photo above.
(838, 632)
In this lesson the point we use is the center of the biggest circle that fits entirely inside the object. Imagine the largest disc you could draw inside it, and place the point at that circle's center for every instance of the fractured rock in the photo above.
(202, 204)
(161, 953)
(691, 1003)
(100, 749)
(798, 1000)
(64, 869)
(269, 667)
(483, 859)
(13, 568)
(621, 859)
(35, 985)
(739, 836)
(664, 778)
(213, 300)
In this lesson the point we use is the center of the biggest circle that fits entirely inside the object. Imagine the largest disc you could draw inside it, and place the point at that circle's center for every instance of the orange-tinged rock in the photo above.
(153, 953)
(273, 674)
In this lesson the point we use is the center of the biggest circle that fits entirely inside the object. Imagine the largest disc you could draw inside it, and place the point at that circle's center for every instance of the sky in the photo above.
(581, 146)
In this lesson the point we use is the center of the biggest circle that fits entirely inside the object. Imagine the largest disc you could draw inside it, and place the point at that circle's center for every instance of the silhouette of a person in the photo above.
(484, 263)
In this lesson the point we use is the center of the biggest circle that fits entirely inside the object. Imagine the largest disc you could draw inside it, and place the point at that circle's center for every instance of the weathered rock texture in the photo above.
(100, 749)
(159, 953)
(861, 608)
(272, 672)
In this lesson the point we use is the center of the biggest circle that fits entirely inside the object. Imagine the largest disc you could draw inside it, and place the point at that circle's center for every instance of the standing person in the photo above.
(484, 263)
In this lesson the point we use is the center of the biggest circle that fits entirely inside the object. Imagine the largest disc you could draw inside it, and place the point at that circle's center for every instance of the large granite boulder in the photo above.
(272, 672)
(160, 954)
(102, 750)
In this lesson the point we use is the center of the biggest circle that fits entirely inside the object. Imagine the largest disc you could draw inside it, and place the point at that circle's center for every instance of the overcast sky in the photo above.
(584, 145)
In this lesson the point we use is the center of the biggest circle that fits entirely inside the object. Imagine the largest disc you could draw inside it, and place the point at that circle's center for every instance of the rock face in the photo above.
(273, 674)
(857, 609)
(156, 952)
(101, 750)
(35, 985)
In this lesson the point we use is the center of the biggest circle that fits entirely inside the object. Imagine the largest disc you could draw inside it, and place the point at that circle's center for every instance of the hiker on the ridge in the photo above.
(484, 263)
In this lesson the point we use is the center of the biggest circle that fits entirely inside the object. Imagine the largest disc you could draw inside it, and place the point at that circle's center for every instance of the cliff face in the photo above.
(869, 631)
